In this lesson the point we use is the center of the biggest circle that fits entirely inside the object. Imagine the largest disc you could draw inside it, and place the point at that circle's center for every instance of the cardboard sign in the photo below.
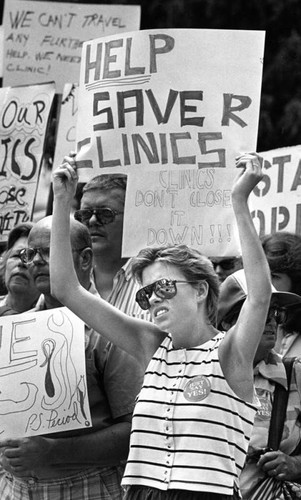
(153, 99)
(43, 40)
(276, 200)
(43, 387)
(191, 207)
(24, 113)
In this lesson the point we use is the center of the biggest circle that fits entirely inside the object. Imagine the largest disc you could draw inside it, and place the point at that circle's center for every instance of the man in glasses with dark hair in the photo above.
(101, 210)
(113, 381)
(224, 266)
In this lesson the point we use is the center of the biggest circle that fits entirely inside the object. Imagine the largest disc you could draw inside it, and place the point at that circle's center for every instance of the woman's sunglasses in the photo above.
(104, 215)
(164, 289)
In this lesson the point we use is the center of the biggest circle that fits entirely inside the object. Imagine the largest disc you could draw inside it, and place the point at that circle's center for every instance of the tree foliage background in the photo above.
(280, 114)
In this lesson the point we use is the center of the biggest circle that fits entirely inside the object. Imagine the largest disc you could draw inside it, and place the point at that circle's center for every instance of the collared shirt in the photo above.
(266, 373)
(124, 292)
(291, 345)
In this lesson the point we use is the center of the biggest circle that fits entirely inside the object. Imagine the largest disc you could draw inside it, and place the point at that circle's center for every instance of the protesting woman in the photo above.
(195, 412)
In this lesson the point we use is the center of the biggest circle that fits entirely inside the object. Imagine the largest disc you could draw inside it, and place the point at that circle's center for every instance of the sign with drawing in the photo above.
(276, 200)
(24, 113)
(43, 40)
(191, 207)
(171, 99)
(43, 386)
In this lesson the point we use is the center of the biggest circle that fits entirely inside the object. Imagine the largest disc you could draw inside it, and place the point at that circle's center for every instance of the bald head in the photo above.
(39, 238)
(79, 234)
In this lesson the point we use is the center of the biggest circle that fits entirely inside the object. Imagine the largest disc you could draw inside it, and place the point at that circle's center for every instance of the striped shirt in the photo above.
(123, 294)
(190, 431)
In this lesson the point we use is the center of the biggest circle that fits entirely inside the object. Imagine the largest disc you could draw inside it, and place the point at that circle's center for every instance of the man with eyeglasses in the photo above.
(224, 266)
(101, 210)
(113, 380)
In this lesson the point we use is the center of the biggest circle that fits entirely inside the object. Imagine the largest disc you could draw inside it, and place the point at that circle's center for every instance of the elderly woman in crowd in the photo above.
(22, 293)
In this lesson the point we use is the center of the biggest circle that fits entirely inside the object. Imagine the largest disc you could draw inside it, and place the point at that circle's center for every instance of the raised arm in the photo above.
(240, 344)
(139, 338)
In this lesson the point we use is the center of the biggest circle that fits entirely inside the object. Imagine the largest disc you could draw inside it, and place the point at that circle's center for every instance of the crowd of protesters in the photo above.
(213, 338)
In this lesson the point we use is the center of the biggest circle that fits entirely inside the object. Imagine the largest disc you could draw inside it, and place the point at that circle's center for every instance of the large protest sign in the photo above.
(168, 98)
(24, 113)
(43, 40)
(43, 386)
(191, 207)
(66, 132)
(276, 201)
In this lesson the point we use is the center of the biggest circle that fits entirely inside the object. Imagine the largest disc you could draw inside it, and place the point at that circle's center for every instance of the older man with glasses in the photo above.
(87, 464)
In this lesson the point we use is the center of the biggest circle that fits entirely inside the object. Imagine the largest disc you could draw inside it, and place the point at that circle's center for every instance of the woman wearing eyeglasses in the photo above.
(195, 412)
(22, 293)
(266, 464)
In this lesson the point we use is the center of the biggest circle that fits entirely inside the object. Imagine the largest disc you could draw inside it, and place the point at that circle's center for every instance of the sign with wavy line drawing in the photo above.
(43, 386)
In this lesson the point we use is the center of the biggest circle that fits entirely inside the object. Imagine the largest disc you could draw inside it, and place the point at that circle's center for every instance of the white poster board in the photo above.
(43, 40)
(168, 99)
(24, 113)
(276, 200)
(191, 207)
(43, 386)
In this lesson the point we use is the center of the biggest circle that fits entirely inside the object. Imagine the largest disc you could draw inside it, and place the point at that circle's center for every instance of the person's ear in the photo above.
(202, 290)
(86, 258)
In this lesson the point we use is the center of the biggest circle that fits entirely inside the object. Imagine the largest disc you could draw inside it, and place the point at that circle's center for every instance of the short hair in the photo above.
(192, 263)
(283, 253)
(106, 182)
(19, 231)
(79, 235)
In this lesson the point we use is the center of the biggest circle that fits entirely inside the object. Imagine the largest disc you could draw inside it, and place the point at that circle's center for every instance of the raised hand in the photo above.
(65, 178)
(250, 165)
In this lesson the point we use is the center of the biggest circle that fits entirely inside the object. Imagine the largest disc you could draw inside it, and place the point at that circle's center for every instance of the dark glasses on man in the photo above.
(103, 215)
(226, 264)
(279, 314)
(164, 289)
(27, 255)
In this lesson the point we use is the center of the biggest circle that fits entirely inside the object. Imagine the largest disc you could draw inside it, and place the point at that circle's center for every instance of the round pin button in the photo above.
(197, 388)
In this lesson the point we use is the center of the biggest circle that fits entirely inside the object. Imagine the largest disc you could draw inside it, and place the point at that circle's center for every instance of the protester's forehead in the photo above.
(40, 233)
(103, 196)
